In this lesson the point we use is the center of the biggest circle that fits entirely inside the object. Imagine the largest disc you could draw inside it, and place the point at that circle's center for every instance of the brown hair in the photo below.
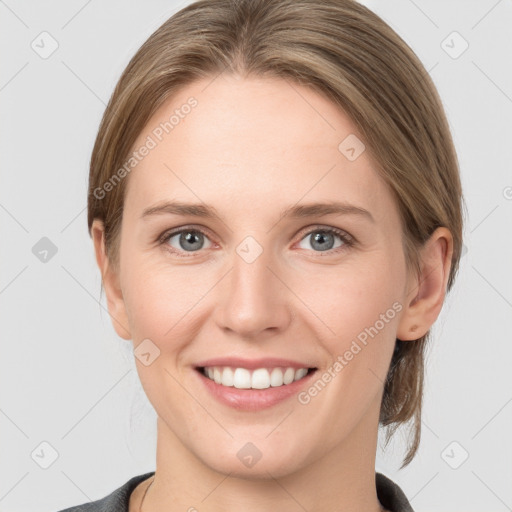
(342, 50)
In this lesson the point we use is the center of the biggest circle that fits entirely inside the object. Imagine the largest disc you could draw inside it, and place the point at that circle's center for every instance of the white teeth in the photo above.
(261, 378)
(300, 373)
(228, 377)
(276, 377)
(289, 375)
(241, 378)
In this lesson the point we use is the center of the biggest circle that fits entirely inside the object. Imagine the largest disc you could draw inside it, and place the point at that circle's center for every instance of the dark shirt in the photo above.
(389, 494)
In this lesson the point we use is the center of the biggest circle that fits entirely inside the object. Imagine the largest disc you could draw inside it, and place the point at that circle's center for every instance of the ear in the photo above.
(111, 282)
(427, 291)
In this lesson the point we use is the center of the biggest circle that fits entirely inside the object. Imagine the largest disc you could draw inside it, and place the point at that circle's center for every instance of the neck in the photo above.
(343, 478)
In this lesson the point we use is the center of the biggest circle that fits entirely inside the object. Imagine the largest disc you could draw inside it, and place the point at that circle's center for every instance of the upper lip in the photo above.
(252, 364)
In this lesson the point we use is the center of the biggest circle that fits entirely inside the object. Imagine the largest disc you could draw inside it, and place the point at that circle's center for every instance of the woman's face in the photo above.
(235, 283)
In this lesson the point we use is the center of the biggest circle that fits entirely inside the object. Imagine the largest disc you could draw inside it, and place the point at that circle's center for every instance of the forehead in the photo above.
(248, 141)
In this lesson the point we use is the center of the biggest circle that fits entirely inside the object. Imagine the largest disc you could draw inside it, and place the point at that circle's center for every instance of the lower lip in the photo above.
(254, 399)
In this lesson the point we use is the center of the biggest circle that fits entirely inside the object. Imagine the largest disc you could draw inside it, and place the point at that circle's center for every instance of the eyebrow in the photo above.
(294, 211)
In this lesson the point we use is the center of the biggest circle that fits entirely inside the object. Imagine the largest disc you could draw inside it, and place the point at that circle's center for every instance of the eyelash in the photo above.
(348, 240)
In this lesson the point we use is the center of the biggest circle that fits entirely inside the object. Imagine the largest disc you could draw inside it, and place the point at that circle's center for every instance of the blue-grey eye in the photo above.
(189, 240)
(323, 239)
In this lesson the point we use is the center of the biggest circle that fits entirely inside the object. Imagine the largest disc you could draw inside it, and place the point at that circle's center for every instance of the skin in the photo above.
(250, 148)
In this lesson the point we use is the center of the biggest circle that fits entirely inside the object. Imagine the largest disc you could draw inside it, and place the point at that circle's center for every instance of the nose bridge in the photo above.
(254, 299)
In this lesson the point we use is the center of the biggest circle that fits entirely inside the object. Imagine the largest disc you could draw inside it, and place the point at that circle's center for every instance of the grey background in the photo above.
(66, 379)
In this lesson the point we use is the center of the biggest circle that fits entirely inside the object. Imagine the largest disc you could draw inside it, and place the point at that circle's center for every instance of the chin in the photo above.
(254, 460)
(262, 470)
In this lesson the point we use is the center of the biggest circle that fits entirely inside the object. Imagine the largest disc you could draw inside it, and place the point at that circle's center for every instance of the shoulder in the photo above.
(116, 501)
(390, 495)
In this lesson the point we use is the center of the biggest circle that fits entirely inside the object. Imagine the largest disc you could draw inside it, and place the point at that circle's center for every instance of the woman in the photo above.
(276, 211)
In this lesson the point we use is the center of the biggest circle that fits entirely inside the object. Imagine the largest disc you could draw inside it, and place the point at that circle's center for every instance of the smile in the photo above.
(259, 378)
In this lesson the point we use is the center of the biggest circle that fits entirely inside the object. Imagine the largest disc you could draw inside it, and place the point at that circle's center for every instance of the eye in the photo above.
(186, 240)
(324, 239)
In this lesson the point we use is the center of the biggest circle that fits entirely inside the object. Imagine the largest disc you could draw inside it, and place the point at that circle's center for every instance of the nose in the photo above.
(253, 300)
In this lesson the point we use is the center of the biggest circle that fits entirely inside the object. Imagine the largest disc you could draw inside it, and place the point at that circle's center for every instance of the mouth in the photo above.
(255, 378)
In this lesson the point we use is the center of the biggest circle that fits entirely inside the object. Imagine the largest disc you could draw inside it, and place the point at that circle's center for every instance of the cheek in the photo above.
(352, 297)
(161, 297)
(361, 307)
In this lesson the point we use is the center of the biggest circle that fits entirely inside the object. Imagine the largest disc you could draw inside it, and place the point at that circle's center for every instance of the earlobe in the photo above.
(110, 281)
(428, 290)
